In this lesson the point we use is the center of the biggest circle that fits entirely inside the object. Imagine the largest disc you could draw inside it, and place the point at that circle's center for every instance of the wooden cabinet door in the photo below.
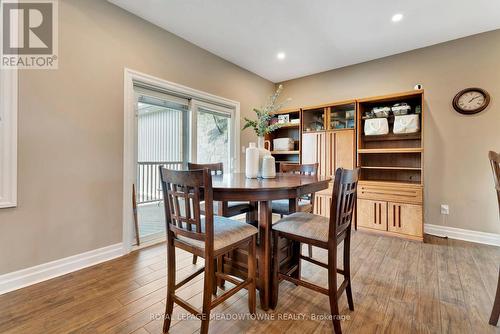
(344, 149)
(314, 150)
(372, 214)
(405, 218)
(340, 150)
(322, 205)
(309, 142)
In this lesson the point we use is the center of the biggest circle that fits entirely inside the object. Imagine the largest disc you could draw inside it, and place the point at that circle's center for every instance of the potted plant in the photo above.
(262, 126)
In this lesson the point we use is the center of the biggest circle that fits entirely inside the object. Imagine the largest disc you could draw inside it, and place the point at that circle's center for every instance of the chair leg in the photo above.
(310, 250)
(214, 278)
(195, 258)
(170, 285)
(495, 312)
(220, 269)
(332, 287)
(207, 294)
(296, 250)
(347, 269)
(251, 275)
(275, 268)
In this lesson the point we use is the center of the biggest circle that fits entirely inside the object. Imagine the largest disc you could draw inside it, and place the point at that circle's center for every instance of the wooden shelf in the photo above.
(290, 125)
(313, 131)
(391, 150)
(392, 136)
(287, 111)
(285, 152)
(390, 168)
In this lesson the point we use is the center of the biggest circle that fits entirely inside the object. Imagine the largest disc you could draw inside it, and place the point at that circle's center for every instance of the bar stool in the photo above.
(326, 233)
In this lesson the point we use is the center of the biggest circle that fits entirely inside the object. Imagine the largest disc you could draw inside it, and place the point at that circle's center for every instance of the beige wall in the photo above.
(71, 128)
(456, 166)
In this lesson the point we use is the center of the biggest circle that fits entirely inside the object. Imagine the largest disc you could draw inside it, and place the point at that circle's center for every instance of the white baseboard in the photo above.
(22, 278)
(461, 234)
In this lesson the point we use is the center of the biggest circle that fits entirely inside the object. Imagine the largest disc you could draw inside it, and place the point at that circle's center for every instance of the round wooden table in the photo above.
(236, 187)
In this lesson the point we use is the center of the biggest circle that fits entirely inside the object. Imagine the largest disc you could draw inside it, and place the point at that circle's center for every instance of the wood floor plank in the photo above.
(476, 297)
(403, 297)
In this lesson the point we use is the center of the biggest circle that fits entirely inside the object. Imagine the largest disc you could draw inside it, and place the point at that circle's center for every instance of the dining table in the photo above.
(261, 192)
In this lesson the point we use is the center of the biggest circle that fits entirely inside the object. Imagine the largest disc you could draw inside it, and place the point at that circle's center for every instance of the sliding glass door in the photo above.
(162, 140)
(170, 132)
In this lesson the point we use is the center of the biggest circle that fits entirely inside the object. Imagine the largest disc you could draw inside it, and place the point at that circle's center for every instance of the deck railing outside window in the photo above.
(148, 177)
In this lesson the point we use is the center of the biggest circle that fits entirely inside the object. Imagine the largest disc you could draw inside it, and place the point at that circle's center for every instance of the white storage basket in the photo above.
(283, 144)
(406, 124)
(376, 126)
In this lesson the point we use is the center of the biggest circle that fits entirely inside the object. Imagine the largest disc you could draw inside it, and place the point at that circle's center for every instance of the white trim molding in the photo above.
(22, 278)
(129, 158)
(8, 142)
(462, 234)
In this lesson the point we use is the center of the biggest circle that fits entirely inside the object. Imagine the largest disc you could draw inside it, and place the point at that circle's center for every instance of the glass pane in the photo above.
(161, 141)
(342, 117)
(213, 138)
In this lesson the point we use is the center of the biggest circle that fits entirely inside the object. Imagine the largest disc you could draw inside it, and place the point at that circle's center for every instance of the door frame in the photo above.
(129, 159)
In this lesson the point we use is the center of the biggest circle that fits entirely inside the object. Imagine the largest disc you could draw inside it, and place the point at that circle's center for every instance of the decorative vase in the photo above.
(252, 161)
(262, 152)
(268, 167)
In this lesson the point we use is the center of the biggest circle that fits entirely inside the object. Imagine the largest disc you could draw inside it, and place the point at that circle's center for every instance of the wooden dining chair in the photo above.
(495, 166)
(208, 237)
(326, 233)
(224, 209)
(283, 206)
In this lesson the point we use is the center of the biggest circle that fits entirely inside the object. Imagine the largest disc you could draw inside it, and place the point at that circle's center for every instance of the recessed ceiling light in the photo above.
(281, 55)
(397, 17)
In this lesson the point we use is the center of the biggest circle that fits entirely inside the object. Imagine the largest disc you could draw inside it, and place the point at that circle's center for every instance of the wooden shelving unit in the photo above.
(390, 193)
(329, 133)
(287, 130)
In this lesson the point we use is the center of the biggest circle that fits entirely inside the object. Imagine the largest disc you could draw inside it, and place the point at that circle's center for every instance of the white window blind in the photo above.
(161, 126)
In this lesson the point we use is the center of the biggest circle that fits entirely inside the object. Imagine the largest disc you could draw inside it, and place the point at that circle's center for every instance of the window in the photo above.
(8, 138)
(213, 137)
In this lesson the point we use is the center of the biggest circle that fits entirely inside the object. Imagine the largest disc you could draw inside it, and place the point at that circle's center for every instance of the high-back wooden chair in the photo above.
(495, 166)
(224, 209)
(284, 207)
(209, 238)
(326, 233)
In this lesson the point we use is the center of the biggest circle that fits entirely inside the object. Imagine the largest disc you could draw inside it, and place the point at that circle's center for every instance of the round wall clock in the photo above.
(471, 101)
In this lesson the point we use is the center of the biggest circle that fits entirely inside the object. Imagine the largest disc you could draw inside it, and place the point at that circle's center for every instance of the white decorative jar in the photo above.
(252, 161)
(268, 167)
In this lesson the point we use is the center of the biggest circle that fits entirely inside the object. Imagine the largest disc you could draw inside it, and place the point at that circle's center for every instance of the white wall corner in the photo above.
(25, 277)
(462, 234)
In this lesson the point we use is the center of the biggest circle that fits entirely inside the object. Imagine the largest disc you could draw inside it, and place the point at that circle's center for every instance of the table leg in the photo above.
(252, 217)
(265, 222)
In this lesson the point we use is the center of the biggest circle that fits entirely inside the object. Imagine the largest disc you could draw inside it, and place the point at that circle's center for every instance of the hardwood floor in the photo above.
(399, 286)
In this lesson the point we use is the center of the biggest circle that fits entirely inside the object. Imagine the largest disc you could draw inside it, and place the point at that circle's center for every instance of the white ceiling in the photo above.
(316, 35)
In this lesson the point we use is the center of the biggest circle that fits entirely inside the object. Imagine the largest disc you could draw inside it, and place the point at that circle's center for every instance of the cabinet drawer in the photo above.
(391, 192)
(372, 214)
(405, 219)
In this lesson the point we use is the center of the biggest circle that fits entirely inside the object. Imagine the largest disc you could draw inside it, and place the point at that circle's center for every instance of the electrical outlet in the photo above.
(445, 209)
